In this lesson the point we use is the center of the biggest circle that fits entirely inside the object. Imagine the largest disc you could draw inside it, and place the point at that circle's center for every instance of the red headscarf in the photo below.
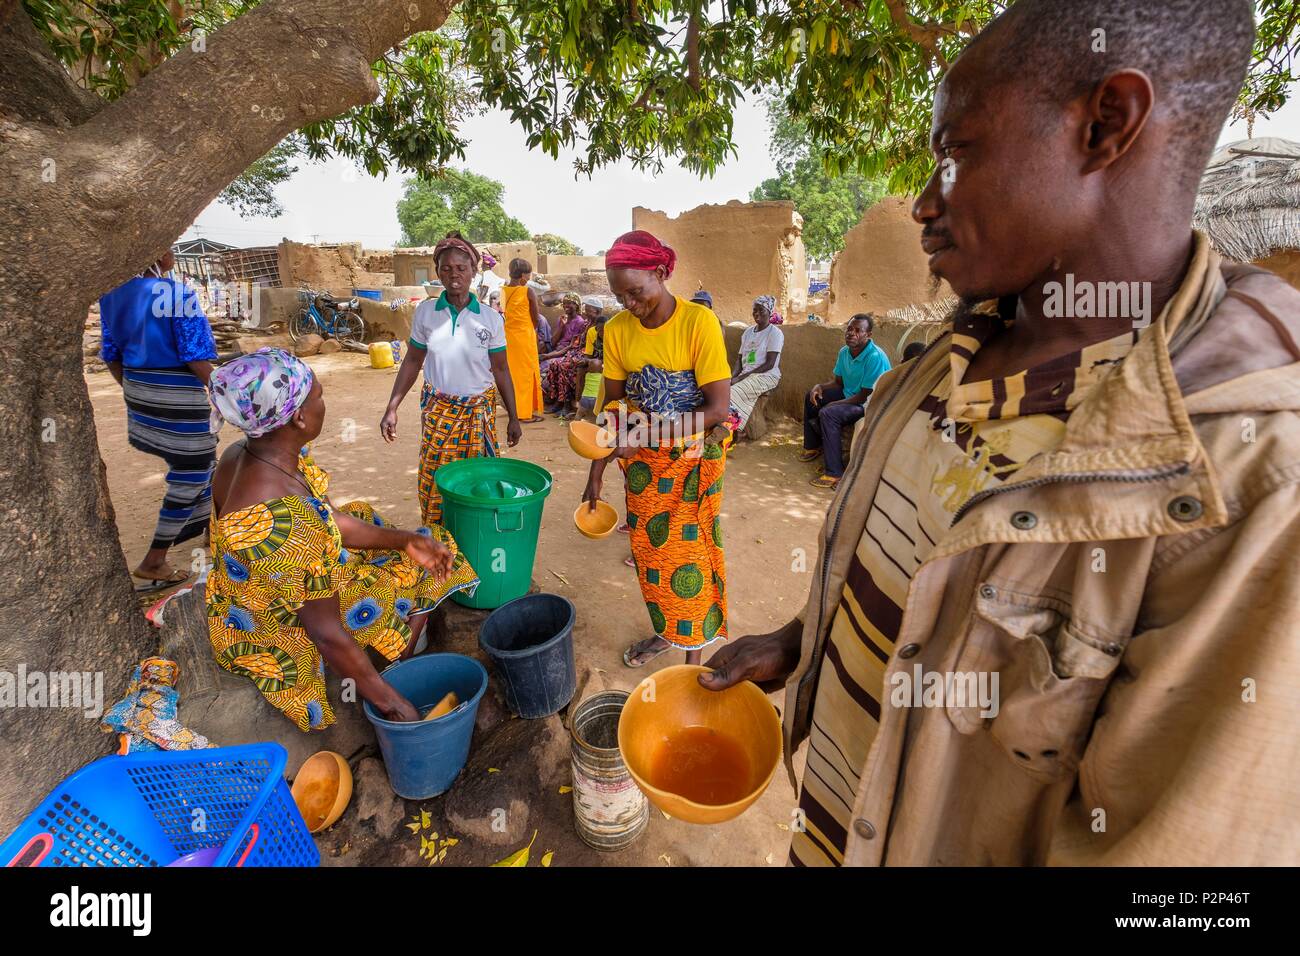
(640, 250)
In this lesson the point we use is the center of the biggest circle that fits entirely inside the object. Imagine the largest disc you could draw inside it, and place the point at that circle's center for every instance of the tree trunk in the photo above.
(92, 192)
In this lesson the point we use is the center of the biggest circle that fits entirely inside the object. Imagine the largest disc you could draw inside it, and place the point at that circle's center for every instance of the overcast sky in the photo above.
(335, 202)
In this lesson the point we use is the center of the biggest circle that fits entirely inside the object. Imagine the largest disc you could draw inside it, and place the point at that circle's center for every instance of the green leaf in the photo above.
(519, 857)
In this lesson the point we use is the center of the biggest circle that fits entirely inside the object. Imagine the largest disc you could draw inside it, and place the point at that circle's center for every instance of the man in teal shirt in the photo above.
(831, 406)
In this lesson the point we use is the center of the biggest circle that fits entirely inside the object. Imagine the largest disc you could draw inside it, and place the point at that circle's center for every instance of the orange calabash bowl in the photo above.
(322, 789)
(676, 701)
(596, 524)
(590, 440)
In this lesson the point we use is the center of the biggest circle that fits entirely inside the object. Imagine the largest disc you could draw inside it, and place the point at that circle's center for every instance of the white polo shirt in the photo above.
(458, 344)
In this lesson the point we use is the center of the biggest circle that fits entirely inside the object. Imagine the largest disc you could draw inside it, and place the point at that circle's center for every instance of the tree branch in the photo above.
(693, 53)
(926, 35)
(34, 86)
(131, 176)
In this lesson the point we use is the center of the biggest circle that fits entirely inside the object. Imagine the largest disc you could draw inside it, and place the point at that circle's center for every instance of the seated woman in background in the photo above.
(559, 375)
(569, 328)
(757, 367)
(296, 581)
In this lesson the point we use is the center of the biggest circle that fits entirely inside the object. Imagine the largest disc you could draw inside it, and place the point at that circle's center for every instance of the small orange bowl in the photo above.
(596, 524)
(672, 700)
(322, 789)
(590, 440)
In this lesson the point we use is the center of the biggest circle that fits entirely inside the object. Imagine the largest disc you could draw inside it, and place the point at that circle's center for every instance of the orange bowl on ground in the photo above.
(596, 524)
(586, 438)
(322, 789)
(677, 703)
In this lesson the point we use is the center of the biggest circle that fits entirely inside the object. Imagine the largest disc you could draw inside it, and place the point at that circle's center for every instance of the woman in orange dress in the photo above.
(519, 308)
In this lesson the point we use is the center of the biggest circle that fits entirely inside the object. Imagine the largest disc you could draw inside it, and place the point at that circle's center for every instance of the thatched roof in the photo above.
(1249, 200)
(922, 312)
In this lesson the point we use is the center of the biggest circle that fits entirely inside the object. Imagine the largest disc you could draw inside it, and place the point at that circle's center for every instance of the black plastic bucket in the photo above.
(530, 642)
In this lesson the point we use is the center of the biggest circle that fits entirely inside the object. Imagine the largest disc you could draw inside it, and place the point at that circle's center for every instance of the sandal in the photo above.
(824, 481)
(810, 454)
(632, 651)
(624, 528)
(532, 421)
(160, 584)
(630, 561)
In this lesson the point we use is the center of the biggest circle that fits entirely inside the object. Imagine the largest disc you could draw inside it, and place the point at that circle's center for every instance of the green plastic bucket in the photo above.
(493, 508)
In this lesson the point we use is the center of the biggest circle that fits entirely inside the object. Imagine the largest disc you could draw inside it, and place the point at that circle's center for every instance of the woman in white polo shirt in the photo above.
(461, 344)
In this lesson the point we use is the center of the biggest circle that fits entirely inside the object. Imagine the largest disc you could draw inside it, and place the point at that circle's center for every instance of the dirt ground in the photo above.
(771, 518)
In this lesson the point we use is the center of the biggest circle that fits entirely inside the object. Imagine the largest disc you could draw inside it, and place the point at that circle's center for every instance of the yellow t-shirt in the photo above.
(589, 346)
(691, 340)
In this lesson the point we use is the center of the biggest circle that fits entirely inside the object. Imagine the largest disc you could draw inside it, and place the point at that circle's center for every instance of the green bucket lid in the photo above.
(492, 481)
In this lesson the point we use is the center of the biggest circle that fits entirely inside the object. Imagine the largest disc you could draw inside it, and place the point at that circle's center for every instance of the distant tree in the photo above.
(456, 199)
(551, 244)
(253, 193)
(830, 204)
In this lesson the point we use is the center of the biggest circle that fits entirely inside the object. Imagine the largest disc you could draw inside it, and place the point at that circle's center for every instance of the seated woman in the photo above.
(570, 327)
(296, 581)
(560, 376)
(587, 370)
(757, 367)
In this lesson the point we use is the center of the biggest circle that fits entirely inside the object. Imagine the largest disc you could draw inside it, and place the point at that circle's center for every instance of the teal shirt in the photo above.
(861, 372)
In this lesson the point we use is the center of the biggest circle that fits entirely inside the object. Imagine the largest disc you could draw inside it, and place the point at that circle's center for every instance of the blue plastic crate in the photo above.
(144, 810)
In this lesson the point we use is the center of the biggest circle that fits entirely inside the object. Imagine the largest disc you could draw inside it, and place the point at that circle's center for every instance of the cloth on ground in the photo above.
(146, 717)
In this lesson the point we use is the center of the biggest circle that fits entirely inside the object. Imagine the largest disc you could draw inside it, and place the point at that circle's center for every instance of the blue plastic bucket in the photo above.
(368, 294)
(424, 757)
(530, 642)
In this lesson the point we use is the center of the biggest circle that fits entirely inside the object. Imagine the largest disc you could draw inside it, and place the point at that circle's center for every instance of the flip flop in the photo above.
(624, 528)
(159, 584)
(627, 654)
(630, 562)
(824, 481)
(532, 421)
(807, 455)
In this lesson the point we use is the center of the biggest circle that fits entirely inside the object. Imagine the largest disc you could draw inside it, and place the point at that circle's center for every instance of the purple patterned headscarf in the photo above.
(259, 393)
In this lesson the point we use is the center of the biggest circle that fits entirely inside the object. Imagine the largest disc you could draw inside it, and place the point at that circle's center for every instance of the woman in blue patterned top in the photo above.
(158, 344)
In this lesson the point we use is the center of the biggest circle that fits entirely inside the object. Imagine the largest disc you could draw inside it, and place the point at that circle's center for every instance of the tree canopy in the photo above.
(644, 81)
(457, 199)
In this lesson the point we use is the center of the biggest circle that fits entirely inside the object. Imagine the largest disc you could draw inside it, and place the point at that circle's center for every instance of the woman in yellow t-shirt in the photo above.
(667, 383)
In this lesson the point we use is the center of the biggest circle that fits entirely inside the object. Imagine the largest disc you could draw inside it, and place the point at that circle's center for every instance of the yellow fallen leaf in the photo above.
(666, 858)
(519, 857)
(782, 826)
(413, 827)
(546, 857)
(451, 841)
(425, 820)
(493, 770)
(566, 789)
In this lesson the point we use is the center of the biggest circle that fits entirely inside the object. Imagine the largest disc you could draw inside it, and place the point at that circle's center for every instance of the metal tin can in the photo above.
(609, 810)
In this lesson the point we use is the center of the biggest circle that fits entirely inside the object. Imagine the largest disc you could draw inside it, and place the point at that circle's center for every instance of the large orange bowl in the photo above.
(590, 440)
(671, 700)
(322, 789)
(596, 524)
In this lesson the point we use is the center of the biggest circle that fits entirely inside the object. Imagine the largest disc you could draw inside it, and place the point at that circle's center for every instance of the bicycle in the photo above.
(344, 321)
